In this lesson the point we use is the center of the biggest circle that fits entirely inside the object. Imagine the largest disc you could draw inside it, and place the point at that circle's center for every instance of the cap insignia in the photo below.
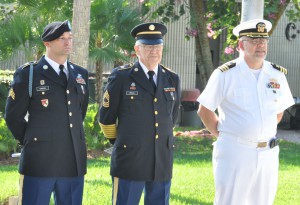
(261, 27)
(151, 27)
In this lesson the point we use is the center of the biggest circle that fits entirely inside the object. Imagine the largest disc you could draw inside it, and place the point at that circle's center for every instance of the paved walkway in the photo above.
(289, 135)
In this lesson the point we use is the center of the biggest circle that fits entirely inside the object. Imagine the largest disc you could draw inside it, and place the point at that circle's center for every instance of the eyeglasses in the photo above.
(152, 47)
(257, 41)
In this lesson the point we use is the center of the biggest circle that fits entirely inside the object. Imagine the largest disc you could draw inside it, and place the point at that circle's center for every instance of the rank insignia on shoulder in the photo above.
(227, 66)
(165, 68)
(12, 94)
(125, 67)
(28, 63)
(106, 99)
(280, 68)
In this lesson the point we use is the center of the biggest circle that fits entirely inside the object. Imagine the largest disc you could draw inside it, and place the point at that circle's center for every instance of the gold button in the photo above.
(156, 124)
(71, 125)
(68, 91)
(155, 99)
(35, 139)
(156, 112)
(125, 146)
(156, 136)
(70, 113)
(69, 102)
(43, 93)
(131, 97)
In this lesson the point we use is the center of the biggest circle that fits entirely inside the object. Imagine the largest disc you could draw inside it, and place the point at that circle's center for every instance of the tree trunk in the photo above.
(81, 32)
(99, 82)
(203, 53)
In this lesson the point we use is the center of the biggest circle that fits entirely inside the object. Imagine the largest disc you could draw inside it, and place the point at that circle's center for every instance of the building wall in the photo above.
(179, 53)
(287, 52)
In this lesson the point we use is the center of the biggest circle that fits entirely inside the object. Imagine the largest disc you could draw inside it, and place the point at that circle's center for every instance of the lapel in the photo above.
(48, 72)
(163, 79)
(138, 75)
(72, 75)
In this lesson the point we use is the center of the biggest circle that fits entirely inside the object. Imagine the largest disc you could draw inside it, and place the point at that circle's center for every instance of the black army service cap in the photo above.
(256, 28)
(149, 33)
(55, 29)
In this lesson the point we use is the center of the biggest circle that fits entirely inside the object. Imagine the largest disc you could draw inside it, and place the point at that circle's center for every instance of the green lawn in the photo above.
(192, 179)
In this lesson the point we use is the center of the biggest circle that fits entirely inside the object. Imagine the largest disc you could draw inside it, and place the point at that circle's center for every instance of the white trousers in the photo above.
(243, 174)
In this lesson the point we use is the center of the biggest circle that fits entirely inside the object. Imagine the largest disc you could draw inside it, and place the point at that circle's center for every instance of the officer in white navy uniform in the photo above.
(251, 95)
(53, 157)
(138, 115)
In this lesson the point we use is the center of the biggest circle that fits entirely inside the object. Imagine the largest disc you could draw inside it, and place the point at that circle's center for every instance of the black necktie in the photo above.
(151, 80)
(63, 75)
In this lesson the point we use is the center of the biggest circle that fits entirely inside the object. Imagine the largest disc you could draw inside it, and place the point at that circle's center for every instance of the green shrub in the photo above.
(3, 96)
(7, 143)
(93, 133)
(94, 136)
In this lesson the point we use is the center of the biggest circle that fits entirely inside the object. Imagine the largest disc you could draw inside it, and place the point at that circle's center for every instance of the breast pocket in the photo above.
(133, 100)
(273, 98)
(81, 92)
(41, 100)
(241, 98)
(170, 97)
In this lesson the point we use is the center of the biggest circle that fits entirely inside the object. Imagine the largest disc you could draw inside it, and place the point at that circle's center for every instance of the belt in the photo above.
(273, 142)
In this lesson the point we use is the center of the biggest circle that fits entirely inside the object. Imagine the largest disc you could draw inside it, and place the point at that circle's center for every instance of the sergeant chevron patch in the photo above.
(106, 99)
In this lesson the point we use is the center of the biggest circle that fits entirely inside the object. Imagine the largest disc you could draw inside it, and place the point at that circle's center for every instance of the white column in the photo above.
(252, 9)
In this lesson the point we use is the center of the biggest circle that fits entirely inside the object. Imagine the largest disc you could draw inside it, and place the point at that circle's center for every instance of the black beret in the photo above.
(54, 30)
(149, 33)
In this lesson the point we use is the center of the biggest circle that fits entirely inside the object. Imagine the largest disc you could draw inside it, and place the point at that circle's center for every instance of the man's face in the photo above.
(61, 46)
(255, 49)
(149, 55)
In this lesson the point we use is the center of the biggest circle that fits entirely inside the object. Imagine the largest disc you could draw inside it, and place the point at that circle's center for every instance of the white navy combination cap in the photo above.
(256, 28)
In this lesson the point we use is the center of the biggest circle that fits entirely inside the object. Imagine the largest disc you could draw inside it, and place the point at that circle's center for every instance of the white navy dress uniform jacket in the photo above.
(242, 100)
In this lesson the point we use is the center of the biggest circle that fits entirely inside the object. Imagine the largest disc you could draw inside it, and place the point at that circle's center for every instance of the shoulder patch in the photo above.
(227, 66)
(168, 69)
(26, 65)
(125, 67)
(280, 68)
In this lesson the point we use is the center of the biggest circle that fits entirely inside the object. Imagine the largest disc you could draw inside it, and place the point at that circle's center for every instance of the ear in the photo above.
(47, 44)
(241, 45)
(136, 49)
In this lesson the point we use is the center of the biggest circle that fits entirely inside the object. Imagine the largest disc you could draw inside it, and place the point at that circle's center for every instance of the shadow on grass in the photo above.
(192, 150)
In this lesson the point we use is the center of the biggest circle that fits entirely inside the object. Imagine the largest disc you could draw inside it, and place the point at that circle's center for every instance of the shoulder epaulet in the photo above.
(26, 65)
(227, 66)
(125, 67)
(168, 69)
(280, 68)
(74, 64)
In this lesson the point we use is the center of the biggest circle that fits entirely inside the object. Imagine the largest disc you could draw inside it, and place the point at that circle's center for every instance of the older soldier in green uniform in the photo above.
(53, 157)
(139, 111)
